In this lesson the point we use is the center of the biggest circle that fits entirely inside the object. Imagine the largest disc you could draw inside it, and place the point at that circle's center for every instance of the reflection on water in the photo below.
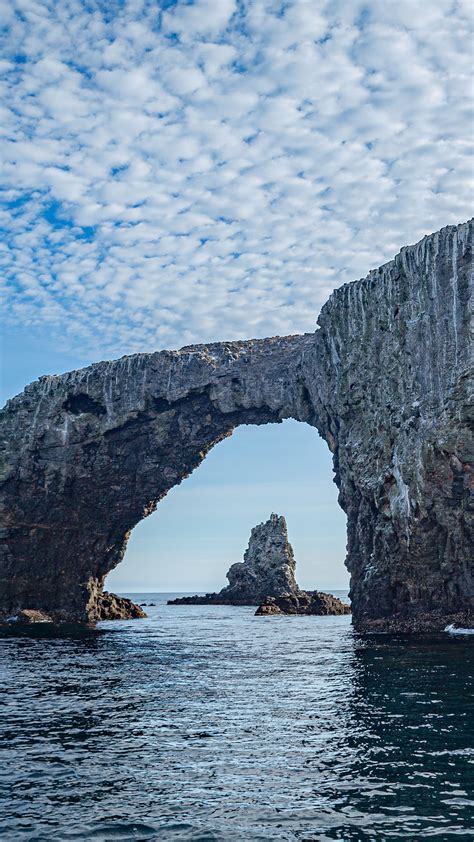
(207, 723)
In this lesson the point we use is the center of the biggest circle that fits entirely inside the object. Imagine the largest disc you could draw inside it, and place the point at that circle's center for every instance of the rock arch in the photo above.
(88, 454)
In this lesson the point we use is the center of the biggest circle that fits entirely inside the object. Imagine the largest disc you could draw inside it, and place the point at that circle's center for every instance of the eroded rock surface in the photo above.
(268, 569)
(307, 602)
(386, 380)
(109, 606)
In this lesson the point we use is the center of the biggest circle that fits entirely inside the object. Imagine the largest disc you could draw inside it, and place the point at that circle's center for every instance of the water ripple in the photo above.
(207, 723)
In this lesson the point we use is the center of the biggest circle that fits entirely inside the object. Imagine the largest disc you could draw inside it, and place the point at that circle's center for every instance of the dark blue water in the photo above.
(207, 723)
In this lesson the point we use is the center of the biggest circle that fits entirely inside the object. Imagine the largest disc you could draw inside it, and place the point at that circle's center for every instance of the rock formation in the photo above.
(385, 380)
(109, 606)
(307, 602)
(266, 578)
(268, 569)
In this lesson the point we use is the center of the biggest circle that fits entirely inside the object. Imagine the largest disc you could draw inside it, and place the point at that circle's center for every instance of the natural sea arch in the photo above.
(203, 525)
(385, 380)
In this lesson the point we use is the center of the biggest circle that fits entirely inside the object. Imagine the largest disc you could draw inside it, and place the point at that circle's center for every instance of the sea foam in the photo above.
(451, 629)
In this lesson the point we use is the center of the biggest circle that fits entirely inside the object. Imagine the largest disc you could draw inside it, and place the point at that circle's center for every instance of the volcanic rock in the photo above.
(386, 379)
(113, 607)
(268, 569)
(307, 602)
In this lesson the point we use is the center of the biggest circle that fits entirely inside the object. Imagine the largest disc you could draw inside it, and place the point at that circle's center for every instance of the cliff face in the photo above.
(395, 383)
(268, 569)
(385, 380)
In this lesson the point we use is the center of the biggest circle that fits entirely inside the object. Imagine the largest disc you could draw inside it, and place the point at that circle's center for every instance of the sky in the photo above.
(179, 172)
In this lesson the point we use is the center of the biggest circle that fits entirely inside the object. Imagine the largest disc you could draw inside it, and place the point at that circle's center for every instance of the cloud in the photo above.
(214, 169)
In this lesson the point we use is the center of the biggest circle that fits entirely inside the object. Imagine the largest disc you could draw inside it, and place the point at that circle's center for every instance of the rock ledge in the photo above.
(112, 607)
(306, 602)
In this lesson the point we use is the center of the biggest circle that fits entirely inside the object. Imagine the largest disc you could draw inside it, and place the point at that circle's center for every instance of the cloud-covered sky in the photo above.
(179, 172)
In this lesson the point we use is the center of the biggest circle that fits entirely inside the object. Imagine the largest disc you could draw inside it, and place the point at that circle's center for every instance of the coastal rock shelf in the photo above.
(268, 569)
(307, 602)
(385, 380)
(108, 606)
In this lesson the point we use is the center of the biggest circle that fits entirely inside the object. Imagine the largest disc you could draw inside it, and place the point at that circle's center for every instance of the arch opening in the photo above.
(202, 526)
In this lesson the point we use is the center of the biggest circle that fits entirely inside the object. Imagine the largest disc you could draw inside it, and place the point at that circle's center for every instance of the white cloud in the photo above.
(215, 170)
(204, 18)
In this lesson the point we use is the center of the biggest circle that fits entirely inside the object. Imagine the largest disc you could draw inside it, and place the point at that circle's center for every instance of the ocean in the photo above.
(208, 723)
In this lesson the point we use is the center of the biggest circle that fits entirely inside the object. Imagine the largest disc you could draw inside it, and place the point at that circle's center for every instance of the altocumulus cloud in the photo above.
(189, 171)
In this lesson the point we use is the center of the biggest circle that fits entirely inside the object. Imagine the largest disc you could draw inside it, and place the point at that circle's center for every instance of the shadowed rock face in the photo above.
(108, 606)
(268, 569)
(385, 380)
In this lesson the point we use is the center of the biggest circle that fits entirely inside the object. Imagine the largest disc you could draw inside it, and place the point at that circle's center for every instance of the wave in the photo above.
(451, 629)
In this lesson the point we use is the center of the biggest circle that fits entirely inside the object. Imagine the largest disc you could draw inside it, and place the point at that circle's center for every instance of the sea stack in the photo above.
(268, 569)
(266, 578)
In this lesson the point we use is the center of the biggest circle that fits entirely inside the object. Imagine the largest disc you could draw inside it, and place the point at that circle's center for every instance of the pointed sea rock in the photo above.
(268, 569)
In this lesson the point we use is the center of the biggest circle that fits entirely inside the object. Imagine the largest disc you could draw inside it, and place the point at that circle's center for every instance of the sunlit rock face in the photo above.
(268, 566)
(385, 380)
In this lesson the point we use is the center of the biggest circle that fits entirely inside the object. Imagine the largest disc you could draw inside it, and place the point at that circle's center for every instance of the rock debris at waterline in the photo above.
(315, 603)
(109, 607)
(385, 380)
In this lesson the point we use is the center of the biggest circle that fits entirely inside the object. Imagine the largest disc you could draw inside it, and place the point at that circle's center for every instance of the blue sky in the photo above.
(182, 172)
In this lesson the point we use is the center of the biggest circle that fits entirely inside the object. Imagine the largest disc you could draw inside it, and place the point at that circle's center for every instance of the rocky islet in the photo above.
(266, 578)
(268, 569)
(306, 602)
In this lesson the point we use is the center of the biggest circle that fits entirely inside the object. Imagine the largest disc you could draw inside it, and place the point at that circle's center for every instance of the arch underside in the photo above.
(384, 380)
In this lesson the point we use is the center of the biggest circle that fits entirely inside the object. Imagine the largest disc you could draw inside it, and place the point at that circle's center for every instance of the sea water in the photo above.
(208, 723)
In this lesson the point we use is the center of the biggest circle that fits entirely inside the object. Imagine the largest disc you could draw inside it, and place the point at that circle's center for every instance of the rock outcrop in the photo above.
(385, 380)
(27, 617)
(266, 578)
(268, 569)
(307, 602)
(109, 606)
